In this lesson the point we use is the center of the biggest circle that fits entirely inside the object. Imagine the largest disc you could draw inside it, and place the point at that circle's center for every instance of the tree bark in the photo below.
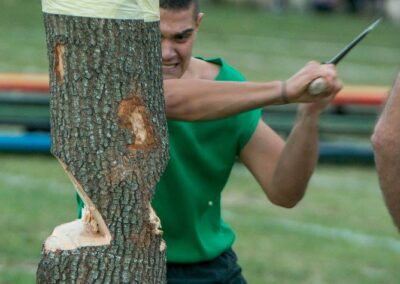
(109, 133)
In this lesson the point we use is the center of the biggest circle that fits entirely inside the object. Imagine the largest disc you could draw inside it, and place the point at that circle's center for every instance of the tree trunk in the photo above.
(109, 132)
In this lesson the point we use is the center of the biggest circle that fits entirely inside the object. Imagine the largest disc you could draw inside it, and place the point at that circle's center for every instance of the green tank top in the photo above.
(188, 196)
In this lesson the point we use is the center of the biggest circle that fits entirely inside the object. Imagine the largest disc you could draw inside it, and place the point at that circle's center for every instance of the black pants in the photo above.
(221, 270)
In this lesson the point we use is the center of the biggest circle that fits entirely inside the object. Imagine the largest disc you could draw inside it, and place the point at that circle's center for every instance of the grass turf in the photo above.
(340, 233)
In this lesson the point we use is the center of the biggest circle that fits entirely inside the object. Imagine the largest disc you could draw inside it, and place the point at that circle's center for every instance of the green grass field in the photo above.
(340, 233)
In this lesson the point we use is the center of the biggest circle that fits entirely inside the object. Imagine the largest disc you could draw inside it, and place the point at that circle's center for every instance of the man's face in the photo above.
(178, 32)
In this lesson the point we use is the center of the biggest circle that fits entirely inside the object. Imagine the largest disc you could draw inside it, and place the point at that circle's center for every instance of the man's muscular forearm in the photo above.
(284, 169)
(297, 162)
(195, 99)
(386, 144)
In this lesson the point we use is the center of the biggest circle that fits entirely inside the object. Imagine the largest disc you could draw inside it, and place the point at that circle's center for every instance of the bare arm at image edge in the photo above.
(386, 144)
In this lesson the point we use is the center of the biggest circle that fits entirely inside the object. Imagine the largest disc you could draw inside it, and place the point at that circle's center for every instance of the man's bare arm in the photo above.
(386, 144)
(195, 99)
(284, 169)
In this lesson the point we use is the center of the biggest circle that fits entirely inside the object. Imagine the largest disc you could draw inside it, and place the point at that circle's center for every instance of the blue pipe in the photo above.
(40, 142)
(31, 142)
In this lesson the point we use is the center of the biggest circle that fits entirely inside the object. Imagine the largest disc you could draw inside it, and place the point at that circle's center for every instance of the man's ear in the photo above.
(199, 19)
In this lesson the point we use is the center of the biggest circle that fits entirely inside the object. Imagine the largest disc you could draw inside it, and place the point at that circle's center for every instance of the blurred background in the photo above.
(340, 233)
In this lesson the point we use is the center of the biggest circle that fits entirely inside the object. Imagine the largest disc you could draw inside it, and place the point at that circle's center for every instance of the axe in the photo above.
(318, 86)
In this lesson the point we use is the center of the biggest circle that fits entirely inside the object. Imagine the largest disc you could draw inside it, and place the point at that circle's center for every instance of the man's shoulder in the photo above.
(226, 71)
(213, 69)
(205, 69)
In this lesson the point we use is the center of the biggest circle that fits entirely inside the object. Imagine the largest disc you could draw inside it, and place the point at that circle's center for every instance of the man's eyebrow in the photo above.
(180, 34)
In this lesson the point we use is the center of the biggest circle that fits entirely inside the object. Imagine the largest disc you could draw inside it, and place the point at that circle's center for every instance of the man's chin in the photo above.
(171, 73)
(167, 76)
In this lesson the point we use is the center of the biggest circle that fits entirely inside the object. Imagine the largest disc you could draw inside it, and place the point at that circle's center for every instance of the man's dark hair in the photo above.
(178, 5)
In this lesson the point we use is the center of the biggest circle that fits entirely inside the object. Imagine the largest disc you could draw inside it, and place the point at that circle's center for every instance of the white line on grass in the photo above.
(23, 181)
(338, 234)
(344, 183)
(21, 267)
(324, 180)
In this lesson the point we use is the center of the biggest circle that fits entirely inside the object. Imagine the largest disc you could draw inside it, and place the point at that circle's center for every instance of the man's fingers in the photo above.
(312, 81)
(338, 86)
(318, 87)
(333, 83)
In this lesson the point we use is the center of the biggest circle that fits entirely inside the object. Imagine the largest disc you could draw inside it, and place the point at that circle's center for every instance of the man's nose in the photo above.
(167, 50)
